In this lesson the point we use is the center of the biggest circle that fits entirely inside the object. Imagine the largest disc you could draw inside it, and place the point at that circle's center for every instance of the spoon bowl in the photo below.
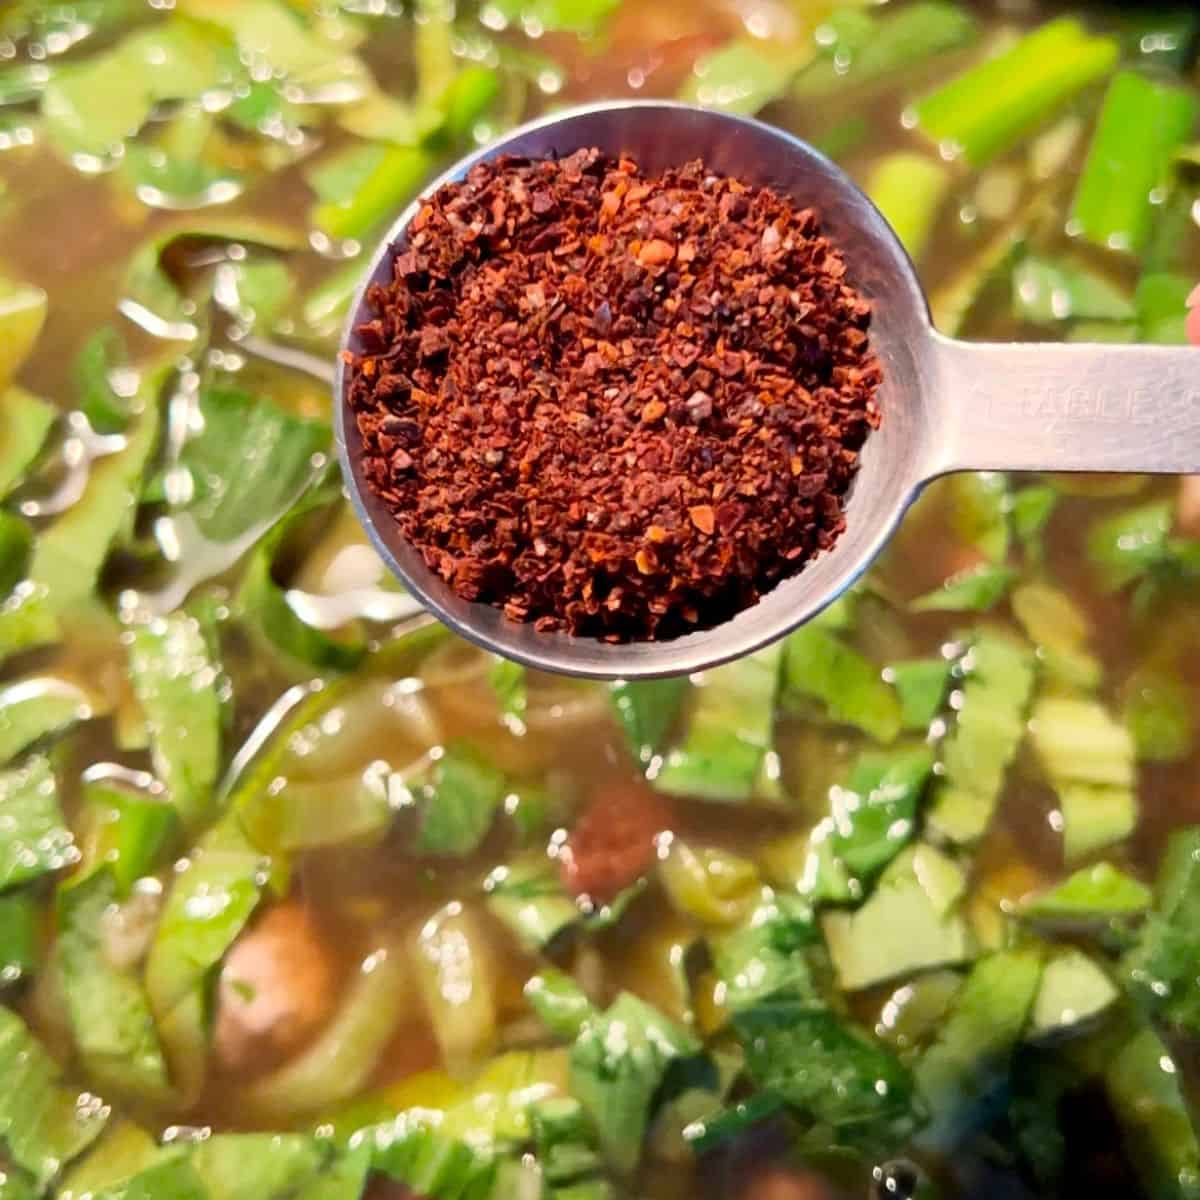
(946, 405)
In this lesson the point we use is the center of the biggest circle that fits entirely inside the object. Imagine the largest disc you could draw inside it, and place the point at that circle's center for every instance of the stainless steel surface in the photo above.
(947, 405)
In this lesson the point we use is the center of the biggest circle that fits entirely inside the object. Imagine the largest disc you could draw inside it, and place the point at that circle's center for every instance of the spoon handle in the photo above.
(1051, 407)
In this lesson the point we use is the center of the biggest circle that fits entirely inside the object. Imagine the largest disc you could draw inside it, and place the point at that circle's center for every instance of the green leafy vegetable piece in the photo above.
(765, 958)
(865, 50)
(1046, 291)
(528, 897)
(256, 1166)
(34, 839)
(827, 1072)
(33, 709)
(69, 553)
(131, 833)
(874, 812)
(20, 936)
(26, 421)
(152, 298)
(978, 751)
(16, 538)
(1088, 758)
(22, 315)
(1124, 547)
(110, 1018)
(921, 685)
(1060, 631)
(123, 1151)
(44, 1124)
(1031, 510)
(1142, 122)
(458, 801)
(1160, 971)
(250, 463)
(910, 922)
(560, 1002)
(820, 666)
(976, 589)
(1074, 990)
(647, 710)
(264, 601)
(979, 503)
(1143, 1086)
(729, 736)
(1161, 302)
(177, 685)
(618, 1063)
(954, 303)
(743, 76)
(507, 680)
(92, 372)
(1094, 892)
(993, 105)
(960, 1075)
(395, 179)
(207, 906)
(585, 17)
(169, 61)
(909, 189)
(1157, 710)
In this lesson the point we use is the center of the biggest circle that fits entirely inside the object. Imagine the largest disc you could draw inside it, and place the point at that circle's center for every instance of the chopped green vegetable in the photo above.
(1088, 758)
(866, 49)
(528, 897)
(743, 76)
(726, 748)
(990, 724)
(394, 179)
(1046, 291)
(34, 839)
(994, 104)
(618, 1063)
(507, 680)
(976, 589)
(207, 906)
(585, 17)
(966, 1068)
(33, 709)
(458, 800)
(22, 314)
(178, 686)
(647, 710)
(1060, 631)
(1157, 711)
(765, 958)
(1160, 970)
(110, 1018)
(910, 922)
(909, 189)
(1143, 1086)
(819, 666)
(1095, 892)
(980, 502)
(1162, 308)
(560, 1002)
(26, 421)
(921, 685)
(1031, 510)
(20, 936)
(827, 1072)
(1142, 122)
(1073, 991)
(44, 1124)
(1124, 547)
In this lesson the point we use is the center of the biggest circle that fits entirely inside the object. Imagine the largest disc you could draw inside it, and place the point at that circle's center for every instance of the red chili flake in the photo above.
(620, 405)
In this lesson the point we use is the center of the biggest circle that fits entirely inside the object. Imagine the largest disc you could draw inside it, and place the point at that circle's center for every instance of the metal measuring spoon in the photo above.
(947, 405)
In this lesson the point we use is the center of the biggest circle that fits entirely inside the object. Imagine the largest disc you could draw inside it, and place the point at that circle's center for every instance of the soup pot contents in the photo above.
(302, 898)
(616, 404)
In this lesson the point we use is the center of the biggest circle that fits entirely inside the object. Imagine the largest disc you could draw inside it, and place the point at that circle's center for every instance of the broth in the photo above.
(232, 656)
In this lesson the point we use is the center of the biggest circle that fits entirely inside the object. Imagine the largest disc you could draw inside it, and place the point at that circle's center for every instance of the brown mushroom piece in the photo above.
(277, 988)
(786, 1183)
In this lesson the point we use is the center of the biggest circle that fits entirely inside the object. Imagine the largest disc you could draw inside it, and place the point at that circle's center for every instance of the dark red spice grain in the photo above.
(617, 405)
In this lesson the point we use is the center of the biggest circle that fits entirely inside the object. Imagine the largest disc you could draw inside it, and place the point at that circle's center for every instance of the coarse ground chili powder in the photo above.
(619, 405)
